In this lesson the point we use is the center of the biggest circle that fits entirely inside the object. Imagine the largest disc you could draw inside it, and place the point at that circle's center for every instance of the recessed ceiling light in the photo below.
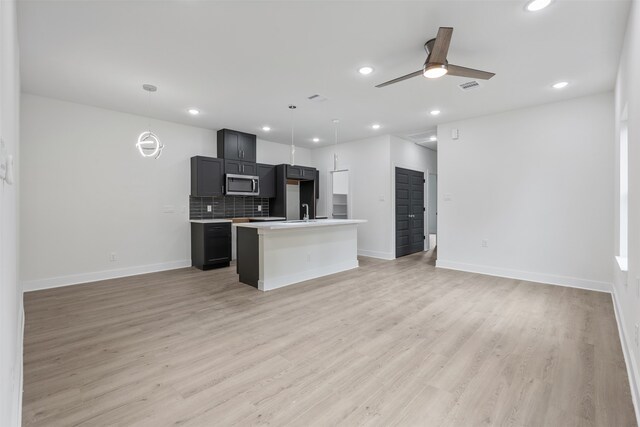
(435, 112)
(316, 139)
(560, 85)
(375, 126)
(193, 111)
(266, 128)
(433, 138)
(365, 70)
(536, 5)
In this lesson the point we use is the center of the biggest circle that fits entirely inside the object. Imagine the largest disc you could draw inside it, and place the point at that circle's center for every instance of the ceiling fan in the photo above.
(437, 65)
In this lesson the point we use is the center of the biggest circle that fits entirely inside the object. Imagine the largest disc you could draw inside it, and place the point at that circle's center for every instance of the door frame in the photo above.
(393, 205)
(426, 203)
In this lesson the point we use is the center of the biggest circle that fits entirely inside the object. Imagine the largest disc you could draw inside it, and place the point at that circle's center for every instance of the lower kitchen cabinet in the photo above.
(210, 245)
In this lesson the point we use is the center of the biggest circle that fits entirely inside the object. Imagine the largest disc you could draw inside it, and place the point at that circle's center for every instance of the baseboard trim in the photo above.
(77, 279)
(376, 254)
(549, 279)
(19, 374)
(632, 369)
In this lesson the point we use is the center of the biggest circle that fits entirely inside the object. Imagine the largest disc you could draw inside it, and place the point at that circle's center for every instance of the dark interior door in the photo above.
(409, 211)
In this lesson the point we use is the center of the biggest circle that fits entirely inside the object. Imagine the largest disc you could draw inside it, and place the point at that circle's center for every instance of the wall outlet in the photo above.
(209, 208)
(113, 257)
(484, 243)
(637, 334)
(259, 208)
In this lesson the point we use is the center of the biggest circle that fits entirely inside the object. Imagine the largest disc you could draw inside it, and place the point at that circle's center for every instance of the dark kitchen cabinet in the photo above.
(210, 245)
(234, 145)
(207, 176)
(267, 175)
(240, 168)
(300, 172)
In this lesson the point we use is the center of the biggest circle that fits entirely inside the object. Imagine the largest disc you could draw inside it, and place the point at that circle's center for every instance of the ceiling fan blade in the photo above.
(441, 46)
(399, 79)
(456, 70)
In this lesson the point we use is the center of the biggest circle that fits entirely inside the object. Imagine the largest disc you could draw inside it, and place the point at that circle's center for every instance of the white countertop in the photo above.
(268, 218)
(210, 221)
(284, 225)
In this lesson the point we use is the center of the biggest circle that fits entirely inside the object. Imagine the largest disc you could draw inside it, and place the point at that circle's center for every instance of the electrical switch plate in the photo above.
(208, 208)
(259, 208)
(113, 257)
(455, 134)
(447, 197)
(484, 243)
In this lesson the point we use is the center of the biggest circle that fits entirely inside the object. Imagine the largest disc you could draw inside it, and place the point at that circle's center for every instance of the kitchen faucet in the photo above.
(306, 214)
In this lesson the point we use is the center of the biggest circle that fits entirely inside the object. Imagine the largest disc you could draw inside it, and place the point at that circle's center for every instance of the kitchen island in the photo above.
(276, 254)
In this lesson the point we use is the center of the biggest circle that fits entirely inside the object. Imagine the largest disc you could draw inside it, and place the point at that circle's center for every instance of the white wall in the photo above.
(368, 163)
(11, 310)
(273, 153)
(626, 287)
(536, 184)
(87, 192)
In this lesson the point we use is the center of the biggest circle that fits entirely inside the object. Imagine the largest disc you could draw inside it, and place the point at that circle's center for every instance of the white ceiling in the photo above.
(241, 63)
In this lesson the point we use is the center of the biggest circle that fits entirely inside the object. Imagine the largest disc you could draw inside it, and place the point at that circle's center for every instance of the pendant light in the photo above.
(149, 145)
(293, 146)
(335, 149)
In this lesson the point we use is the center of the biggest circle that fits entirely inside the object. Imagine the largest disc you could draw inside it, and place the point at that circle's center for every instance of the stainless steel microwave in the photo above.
(242, 185)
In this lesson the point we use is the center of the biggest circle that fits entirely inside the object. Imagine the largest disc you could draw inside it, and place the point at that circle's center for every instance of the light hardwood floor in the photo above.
(391, 343)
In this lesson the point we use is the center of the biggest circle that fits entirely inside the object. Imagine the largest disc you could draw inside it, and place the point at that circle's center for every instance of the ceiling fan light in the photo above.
(536, 5)
(434, 71)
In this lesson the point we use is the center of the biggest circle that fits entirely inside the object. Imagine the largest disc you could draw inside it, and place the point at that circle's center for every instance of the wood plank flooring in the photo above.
(391, 343)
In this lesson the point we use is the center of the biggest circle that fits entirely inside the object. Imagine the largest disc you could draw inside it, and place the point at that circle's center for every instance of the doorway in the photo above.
(409, 211)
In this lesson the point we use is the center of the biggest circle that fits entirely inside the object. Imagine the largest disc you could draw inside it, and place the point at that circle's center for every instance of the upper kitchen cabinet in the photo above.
(236, 167)
(267, 175)
(300, 172)
(234, 145)
(207, 176)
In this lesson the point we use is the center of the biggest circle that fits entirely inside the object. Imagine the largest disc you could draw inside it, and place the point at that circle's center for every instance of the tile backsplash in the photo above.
(227, 207)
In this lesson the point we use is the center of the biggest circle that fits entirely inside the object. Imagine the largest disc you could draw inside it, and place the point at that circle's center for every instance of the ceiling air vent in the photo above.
(316, 98)
(469, 85)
